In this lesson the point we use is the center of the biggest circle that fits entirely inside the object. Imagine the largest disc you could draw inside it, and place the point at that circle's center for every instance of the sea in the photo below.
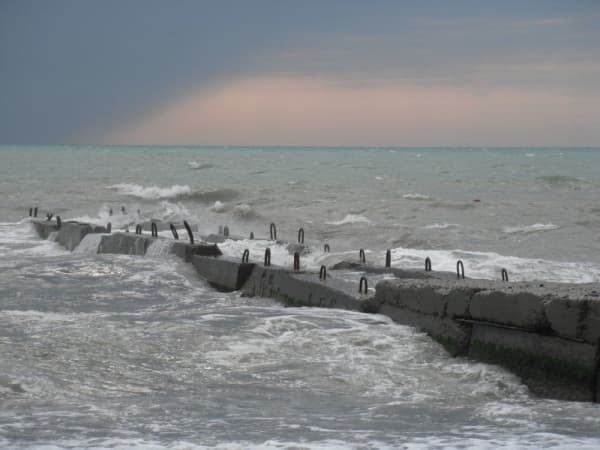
(137, 352)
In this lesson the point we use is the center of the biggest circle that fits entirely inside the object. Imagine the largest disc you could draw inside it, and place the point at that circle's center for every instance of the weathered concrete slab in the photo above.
(304, 289)
(223, 273)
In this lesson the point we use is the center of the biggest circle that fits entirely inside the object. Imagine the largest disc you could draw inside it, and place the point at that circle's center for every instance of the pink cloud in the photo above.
(311, 111)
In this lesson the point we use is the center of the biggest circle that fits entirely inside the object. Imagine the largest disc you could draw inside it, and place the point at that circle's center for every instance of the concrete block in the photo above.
(186, 250)
(509, 305)
(549, 365)
(69, 235)
(303, 289)
(225, 274)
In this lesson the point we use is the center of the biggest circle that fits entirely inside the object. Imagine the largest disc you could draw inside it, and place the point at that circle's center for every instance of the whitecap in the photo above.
(416, 196)
(349, 219)
(526, 229)
(151, 192)
(218, 207)
(440, 226)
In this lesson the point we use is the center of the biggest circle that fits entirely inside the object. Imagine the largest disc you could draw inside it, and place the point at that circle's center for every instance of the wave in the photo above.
(416, 196)
(197, 166)
(175, 192)
(151, 192)
(351, 218)
(526, 229)
(218, 207)
(441, 226)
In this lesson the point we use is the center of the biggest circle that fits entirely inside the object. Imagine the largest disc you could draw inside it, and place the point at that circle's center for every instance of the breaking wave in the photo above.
(526, 229)
(416, 196)
(351, 218)
(175, 192)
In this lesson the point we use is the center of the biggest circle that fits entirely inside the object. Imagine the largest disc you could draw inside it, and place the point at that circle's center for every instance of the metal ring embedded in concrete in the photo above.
(49, 216)
(251, 235)
(323, 273)
(461, 273)
(267, 257)
(246, 256)
(30, 212)
(296, 261)
(388, 258)
(138, 229)
(361, 256)
(360, 285)
(189, 231)
(174, 231)
(226, 231)
(326, 248)
(301, 236)
(58, 222)
(273, 231)
(427, 264)
(504, 275)
(154, 229)
(108, 227)
(35, 211)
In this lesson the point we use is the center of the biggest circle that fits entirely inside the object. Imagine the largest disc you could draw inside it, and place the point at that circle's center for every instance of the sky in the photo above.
(310, 72)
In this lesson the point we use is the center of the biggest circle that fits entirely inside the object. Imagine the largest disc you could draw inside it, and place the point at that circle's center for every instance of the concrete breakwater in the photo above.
(547, 333)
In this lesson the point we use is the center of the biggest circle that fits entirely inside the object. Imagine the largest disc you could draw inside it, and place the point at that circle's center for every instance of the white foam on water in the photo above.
(151, 192)
(351, 219)
(20, 239)
(218, 207)
(160, 247)
(526, 229)
(441, 226)
(89, 244)
(417, 196)
(488, 265)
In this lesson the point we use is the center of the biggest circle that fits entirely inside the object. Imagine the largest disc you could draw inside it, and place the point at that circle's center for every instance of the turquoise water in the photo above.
(109, 351)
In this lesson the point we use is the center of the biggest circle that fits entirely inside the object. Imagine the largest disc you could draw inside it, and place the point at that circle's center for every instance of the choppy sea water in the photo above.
(107, 351)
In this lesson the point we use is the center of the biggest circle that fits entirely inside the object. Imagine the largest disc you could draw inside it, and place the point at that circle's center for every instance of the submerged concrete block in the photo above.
(223, 273)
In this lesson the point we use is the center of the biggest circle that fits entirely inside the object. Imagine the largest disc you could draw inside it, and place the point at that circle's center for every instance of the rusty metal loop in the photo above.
(427, 264)
(109, 227)
(246, 256)
(251, 235)
(138, 229)
(301, 236)
(388, 258)
(267, 257)
(189, 231)
(296, 261)
(326, 248)
(361, 256)
(323, 273)
(154, 229)
(360, 285)
(174, 231)
(226, 231)
(273, 231)
(35, 211)
(504, 275)
(460, 273)
(58, 222)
